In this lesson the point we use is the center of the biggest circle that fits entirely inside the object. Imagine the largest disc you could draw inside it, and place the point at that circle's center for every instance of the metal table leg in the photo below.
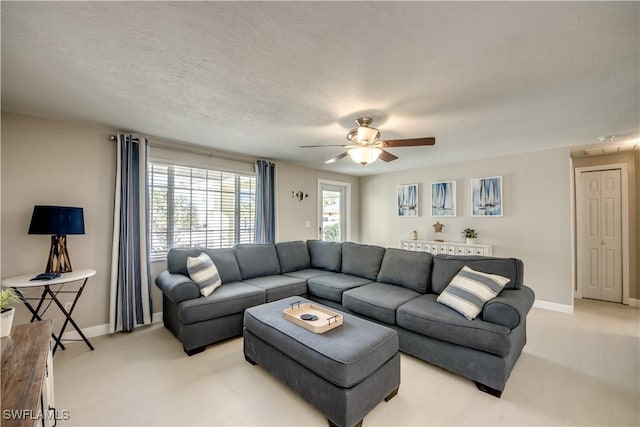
(35, 312)
(68, 318)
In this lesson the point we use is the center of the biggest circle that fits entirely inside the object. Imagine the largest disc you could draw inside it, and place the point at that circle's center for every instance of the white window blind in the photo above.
(199, 207)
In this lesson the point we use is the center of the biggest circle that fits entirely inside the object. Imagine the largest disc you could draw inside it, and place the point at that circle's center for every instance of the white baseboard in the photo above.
(634, 302)
(553, 306)
(98, 330)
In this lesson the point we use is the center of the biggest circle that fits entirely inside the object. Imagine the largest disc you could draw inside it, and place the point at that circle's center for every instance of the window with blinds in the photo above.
(199, 207)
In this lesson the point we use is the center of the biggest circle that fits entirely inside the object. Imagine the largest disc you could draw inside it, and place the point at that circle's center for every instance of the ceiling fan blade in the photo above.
(387, 156)
(338, 157)
(324, 145)
(412, 142)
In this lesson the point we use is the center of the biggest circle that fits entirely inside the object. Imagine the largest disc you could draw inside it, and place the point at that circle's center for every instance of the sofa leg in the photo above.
(487, 389)
(194, 350)
(392, 394)
(250, 360)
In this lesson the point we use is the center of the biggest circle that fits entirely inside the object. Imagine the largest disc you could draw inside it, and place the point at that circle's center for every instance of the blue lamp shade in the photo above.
(56, 220)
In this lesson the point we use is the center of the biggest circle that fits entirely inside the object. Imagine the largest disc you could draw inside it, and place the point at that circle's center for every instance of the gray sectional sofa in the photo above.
(393, 287)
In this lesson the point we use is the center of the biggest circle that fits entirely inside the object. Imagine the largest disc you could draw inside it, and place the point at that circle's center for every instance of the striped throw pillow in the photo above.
(470, 290)
(203, 271)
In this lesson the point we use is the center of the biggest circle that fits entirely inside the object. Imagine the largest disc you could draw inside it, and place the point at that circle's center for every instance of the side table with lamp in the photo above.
(57, 221)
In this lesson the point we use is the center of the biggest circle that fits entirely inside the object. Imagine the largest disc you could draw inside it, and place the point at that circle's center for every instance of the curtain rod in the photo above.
(114, 137)
(195, 150)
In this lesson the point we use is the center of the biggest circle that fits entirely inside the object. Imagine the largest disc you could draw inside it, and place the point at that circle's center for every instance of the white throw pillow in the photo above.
(203, 271)
(470, 290)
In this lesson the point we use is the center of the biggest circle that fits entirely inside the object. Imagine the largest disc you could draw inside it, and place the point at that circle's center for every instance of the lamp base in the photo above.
(58, 256)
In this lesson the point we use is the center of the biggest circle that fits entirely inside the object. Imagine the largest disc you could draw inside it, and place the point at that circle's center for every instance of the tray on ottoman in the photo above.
(316, 318)
(344, 373)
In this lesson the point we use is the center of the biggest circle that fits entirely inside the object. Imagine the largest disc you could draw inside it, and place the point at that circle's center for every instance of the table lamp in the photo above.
(57, 221)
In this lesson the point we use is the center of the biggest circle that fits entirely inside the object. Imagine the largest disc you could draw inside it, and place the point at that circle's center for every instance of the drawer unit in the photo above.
(446, 248)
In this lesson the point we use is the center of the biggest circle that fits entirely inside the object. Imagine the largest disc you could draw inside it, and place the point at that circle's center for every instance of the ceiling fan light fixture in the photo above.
(367, 134)
(364, 155)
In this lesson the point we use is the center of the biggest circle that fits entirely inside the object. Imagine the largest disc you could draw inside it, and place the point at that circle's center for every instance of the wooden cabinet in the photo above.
(27, 376)
(446, 248)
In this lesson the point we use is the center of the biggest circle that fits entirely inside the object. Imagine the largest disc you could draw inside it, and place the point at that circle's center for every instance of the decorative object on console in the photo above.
(486, 196)
(300, 195)
(414, 235)
(57, 221)
(408, 200)
(471, 235)
(443, 198)
(438, 227)
(7, 297)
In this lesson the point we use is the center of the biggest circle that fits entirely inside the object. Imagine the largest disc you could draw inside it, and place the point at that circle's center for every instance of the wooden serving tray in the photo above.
(326, 321)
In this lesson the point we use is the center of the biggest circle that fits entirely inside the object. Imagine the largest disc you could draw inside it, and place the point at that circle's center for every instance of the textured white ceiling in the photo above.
(262, 78)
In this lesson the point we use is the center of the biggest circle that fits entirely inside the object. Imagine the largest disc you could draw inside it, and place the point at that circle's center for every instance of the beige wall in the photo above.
(292, 213)
(536, 225)
(630, 159)
(47, 162)
(637, 225)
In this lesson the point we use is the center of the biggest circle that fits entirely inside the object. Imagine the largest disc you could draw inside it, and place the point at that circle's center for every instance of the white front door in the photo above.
(600, 239)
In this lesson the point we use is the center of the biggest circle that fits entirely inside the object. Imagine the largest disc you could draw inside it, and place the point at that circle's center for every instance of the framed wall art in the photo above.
(486, 196)
(443, 198)
(408, 200)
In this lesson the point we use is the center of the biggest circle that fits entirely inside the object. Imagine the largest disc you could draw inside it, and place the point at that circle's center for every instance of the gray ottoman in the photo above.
(344, 372)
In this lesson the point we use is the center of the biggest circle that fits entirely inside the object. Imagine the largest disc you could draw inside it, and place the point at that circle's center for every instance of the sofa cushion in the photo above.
(361, 260)
(325, 255)
(278, 287)
(409, 269)
(469, 291)
(203, 271)
(307, 273)
(377, 301)
(331, 286)
(230, 298)
(257, 260)
(424, 315)
(293, 256)
(445, 267)
(223, 258)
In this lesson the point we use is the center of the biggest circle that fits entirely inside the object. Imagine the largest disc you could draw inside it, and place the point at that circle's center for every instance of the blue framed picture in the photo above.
(408, 200)
(486, 196)
(443, 198)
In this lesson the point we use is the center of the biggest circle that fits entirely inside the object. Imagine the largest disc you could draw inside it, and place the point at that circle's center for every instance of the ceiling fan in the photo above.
(365, 145)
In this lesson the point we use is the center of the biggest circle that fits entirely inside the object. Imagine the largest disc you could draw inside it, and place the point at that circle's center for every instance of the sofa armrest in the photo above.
(177, 287)
(510, 307)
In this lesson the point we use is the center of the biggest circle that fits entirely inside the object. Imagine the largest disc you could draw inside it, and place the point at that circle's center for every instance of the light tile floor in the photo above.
(580, 369)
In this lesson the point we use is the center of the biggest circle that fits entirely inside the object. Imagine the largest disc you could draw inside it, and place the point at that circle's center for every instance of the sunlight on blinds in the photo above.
(192, 207)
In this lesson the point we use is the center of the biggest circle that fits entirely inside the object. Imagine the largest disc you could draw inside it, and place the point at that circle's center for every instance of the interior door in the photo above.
(332, 212)
(600, 220)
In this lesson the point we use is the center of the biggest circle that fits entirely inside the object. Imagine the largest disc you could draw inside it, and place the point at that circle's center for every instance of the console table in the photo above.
(447, 248)
(20, 283)
(27, 376)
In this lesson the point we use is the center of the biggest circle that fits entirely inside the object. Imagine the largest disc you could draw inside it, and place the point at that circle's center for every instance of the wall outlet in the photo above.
(307, 224)
(67, 306)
